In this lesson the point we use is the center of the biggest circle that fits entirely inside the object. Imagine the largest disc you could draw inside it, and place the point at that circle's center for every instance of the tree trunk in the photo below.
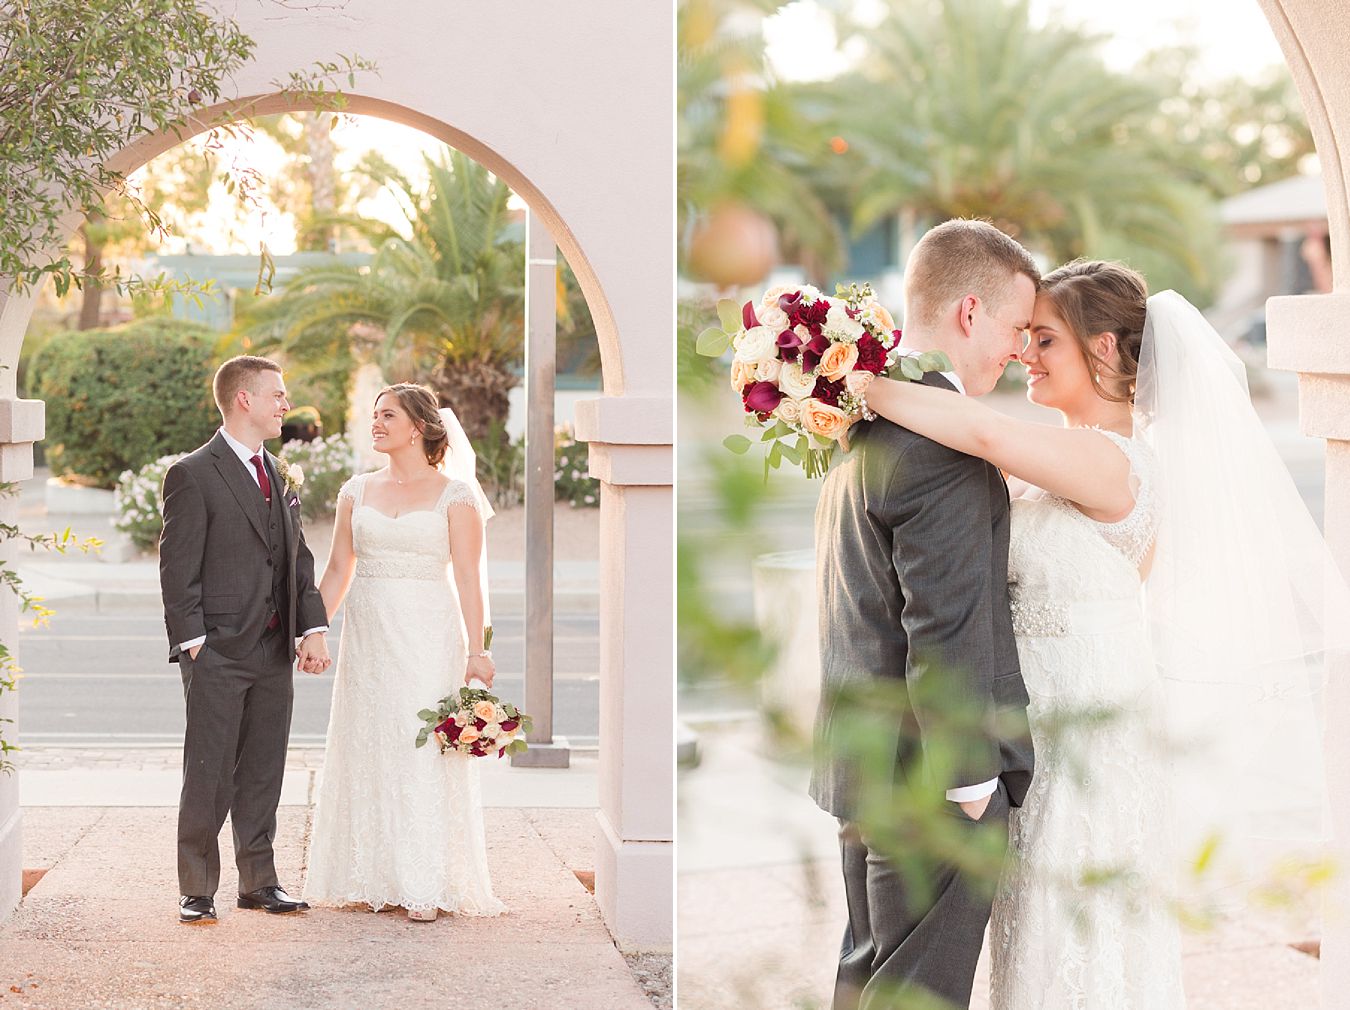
(478, 392)
(318, 133)
(91, 292)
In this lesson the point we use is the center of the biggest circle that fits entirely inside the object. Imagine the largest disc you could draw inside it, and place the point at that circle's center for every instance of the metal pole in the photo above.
(541, 320)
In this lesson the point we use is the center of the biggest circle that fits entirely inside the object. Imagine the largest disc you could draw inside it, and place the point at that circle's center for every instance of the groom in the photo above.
(237, 581)
(912, 563)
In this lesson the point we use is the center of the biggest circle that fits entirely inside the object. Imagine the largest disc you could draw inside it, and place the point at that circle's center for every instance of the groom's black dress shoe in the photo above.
(271, 899)
(196, 909)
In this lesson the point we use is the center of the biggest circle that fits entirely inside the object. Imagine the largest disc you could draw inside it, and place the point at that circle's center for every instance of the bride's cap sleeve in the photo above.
(351, 489)
(459, 493)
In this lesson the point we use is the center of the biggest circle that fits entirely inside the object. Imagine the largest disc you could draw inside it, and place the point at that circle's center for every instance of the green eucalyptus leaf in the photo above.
(911, 369)
(729, 312)
(712, 343)
(737, 444)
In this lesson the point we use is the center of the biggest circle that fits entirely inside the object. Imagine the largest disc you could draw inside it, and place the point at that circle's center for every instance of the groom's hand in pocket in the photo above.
(975, 809)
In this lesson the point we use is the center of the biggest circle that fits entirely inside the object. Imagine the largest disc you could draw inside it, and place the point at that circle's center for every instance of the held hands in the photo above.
(312, 655)
(480, 668)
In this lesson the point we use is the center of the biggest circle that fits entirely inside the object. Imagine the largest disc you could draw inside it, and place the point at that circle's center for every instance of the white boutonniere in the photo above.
(292, 475)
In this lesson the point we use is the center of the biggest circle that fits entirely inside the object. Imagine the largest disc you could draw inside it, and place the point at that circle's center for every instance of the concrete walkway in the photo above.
(761, 908)
(100, 928)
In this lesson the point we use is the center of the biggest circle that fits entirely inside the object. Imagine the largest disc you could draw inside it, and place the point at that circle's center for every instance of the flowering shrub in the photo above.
(571, 480)
(326, 464)
(139, 500)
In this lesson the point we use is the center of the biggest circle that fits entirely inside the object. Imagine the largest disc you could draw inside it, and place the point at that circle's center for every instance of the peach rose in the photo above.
(742, 374)
(838, 361)
(767, 370)
(823, 420)
(857, 382)
(485, 710)
(469, 735)
(876, 314)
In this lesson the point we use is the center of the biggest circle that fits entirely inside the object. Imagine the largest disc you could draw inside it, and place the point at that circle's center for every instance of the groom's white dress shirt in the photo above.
(245, 455)
(962, 794)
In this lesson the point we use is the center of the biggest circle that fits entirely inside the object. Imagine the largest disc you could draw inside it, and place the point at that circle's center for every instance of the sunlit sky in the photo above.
(225, 228)
(1237, 41)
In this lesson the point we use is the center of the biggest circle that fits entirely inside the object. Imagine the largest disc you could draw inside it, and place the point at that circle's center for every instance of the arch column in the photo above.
(632, 454)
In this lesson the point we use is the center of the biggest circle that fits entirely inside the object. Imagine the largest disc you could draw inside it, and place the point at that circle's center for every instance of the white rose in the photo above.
(461, 719)
(774, 318)
(793, 383)
(756, 344)
(789, 410)
(840, 326)
(297, 476)
(768, 370)
(491, 730)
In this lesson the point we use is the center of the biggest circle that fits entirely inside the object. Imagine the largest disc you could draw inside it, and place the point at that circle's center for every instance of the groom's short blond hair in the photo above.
(958, 258)
(236, 374)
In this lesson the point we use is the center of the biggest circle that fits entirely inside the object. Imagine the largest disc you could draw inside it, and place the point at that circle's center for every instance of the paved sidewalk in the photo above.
(99, 930)
(759, 875)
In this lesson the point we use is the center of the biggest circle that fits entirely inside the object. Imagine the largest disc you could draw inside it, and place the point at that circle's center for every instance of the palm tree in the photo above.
(444, 306)
(965, 109)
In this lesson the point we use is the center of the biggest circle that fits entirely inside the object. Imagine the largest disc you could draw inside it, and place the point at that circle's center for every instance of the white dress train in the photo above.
(395, 824)
(1082, 920)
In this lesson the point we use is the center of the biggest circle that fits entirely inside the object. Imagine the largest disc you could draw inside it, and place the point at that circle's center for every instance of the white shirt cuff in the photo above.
(969, 794)
(185, 646)
(313, 631)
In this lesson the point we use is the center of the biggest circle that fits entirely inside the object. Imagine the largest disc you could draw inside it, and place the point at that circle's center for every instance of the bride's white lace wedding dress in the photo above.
(1081, 920)
(395, 824)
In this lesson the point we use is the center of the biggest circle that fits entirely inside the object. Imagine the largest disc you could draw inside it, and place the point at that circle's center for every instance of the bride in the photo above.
(1166, 586)
(395, 824)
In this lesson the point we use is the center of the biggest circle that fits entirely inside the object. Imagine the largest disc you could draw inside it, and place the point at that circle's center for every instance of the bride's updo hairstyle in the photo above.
(421, 405)
(1101, 296)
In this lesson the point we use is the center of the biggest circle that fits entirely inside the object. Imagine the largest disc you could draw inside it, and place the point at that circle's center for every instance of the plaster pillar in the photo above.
(635, 851)
(1310, 334)
(21, 424)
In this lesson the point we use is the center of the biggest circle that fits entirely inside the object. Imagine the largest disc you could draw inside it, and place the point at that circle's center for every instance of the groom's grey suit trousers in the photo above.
(234, 568)
(921, 692)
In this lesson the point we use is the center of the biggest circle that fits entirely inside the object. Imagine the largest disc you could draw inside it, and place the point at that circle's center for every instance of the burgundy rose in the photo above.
(762, 398)
(446, 726)
(789, 345)
(871, 355)
(814, 351)
(479, 724)
(510, 724)
(827, 391)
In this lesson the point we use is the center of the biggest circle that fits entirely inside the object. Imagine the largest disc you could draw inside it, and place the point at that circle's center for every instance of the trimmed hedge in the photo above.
(119, 398)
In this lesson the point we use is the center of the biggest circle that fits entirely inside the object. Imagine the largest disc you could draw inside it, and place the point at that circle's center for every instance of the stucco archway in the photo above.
(549, 123)
(1310, 334)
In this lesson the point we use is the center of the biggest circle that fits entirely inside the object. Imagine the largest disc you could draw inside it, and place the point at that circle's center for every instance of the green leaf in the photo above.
(911, 369)
(426, 714)
(729, 312)
(790, 453)
(738, 444)
(935, 361)
(712, 343)
(776, 455)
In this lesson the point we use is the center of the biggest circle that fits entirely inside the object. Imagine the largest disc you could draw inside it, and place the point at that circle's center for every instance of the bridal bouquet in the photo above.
(802, 364)
(475, 722)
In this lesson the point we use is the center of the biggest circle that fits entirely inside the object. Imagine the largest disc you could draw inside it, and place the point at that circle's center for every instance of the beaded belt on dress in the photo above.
(1051, 619)
(401, 568)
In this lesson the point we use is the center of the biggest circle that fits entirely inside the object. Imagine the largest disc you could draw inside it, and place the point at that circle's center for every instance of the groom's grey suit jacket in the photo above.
(226, 560)
(911, 574)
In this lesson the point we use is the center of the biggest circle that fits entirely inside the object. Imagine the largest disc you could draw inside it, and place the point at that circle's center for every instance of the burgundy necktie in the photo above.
(266, 486)
(263, 482)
